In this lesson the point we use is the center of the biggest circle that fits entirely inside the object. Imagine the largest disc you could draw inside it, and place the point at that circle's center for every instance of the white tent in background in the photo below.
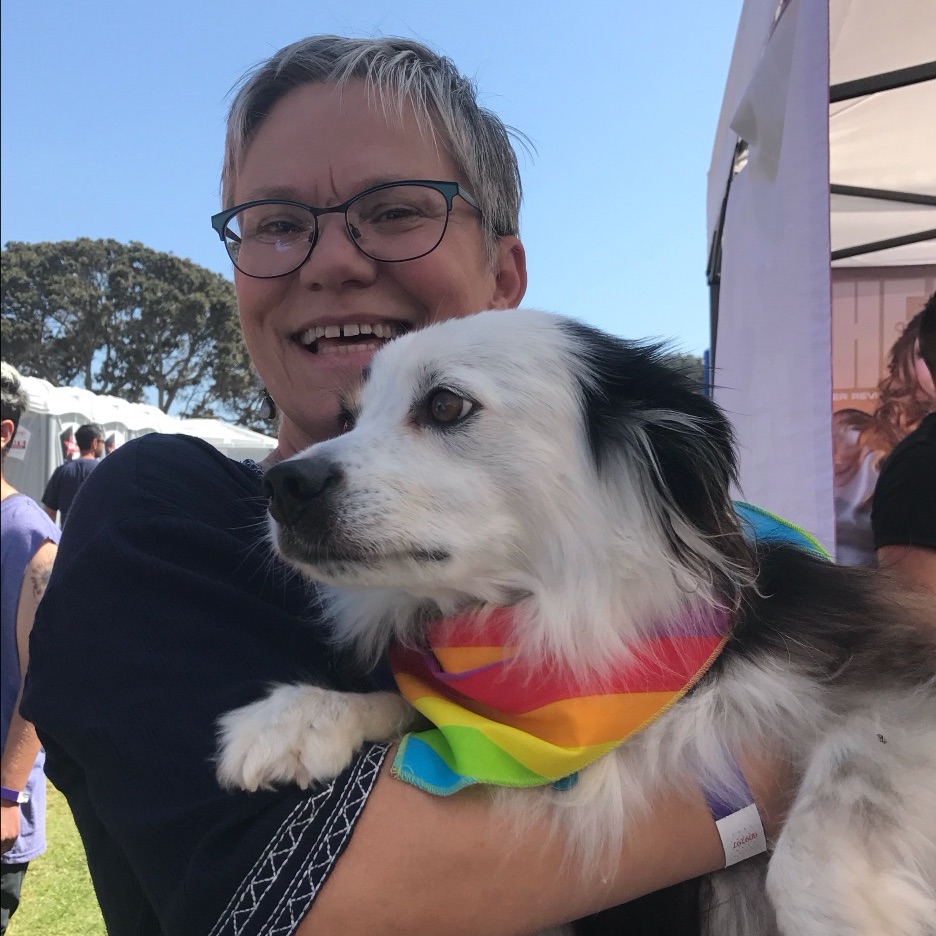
(54, 412)
(823, 162)
(235, 441)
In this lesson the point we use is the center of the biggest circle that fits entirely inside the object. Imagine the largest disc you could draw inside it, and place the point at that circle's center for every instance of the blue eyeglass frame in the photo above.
(220, 220)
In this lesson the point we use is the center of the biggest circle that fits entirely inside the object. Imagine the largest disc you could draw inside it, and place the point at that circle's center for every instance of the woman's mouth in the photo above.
(349, 337)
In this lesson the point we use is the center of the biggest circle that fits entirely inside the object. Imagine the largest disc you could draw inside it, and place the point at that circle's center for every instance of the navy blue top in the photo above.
(165, 609)
(903, 511)
(64, 483)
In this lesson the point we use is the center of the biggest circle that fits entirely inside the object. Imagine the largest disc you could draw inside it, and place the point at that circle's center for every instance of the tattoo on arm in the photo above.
(40, 579)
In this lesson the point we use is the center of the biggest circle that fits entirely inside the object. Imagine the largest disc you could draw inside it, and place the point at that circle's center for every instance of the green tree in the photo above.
(126, 320)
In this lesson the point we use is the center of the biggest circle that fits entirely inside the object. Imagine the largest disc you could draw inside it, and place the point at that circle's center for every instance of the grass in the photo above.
(58, 899)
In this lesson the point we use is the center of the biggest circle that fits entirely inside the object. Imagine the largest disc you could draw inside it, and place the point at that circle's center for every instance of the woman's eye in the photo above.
(274, 228)
(397, 213)
(279, 227)
(399, 206)
(446, 408)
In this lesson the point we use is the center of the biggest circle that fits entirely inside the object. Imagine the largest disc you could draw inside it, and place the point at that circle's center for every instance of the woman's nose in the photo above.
(335, 259)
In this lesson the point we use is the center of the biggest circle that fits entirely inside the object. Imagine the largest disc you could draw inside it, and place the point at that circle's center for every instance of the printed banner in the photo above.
(19, 444)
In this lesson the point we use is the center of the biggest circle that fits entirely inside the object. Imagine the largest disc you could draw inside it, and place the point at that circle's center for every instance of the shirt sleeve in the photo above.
(170, 613)
(904, 506)
(50, 497)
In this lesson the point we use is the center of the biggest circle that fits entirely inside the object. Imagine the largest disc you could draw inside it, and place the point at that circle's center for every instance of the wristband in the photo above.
(14, 796)
(736, 818)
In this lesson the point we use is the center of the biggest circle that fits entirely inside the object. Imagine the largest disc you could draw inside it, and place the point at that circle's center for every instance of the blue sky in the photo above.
(113, 117)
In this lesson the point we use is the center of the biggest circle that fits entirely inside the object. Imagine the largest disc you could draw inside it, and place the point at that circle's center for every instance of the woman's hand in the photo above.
(9, 825)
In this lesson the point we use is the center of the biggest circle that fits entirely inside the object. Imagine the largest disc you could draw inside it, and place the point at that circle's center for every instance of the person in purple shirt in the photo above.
(28, 541)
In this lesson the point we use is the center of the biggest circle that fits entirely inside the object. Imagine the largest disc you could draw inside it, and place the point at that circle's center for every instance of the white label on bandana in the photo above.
(742, 835)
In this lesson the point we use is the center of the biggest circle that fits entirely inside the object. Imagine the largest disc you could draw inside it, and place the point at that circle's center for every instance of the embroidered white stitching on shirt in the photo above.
(314, 860)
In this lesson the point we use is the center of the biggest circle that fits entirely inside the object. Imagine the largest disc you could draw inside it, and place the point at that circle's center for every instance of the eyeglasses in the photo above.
(392, 222)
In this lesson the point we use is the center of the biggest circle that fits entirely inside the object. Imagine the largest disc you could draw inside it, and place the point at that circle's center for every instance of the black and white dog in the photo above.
(525, 460)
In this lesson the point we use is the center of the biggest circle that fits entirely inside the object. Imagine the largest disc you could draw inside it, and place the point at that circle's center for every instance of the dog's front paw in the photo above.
(303, 734)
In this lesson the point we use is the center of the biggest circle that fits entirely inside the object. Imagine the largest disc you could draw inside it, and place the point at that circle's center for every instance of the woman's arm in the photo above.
(22, 745)
(419, 864)
(912, 565)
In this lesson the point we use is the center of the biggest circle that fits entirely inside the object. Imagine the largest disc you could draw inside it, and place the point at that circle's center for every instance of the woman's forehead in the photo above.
(338, 136)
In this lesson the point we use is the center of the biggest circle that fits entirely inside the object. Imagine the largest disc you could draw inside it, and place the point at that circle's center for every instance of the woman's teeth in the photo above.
(348, 348)
(382, 330)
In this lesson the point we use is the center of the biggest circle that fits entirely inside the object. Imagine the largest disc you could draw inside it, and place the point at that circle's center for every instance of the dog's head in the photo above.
(515, 456)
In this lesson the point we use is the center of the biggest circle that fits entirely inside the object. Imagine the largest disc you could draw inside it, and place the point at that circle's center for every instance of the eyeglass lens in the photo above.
(401, 222)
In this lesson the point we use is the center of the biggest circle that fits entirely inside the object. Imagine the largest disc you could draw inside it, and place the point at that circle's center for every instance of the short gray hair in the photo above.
(14, 401)
(398, 70)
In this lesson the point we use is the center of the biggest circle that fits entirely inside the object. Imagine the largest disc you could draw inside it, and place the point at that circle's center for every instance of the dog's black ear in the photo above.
(630, 389)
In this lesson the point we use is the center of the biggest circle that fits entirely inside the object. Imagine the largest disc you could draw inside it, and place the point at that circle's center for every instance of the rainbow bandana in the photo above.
(510, 723)
(516, 723)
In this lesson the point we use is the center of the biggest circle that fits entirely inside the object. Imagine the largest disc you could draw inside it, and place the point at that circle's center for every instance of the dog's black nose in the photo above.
(294, 487)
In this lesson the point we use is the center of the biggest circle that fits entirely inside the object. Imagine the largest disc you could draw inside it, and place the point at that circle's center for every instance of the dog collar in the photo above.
(511, 722)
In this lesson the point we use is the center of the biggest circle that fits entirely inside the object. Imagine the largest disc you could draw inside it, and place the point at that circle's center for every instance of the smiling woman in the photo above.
(366, 194)
(335, 281)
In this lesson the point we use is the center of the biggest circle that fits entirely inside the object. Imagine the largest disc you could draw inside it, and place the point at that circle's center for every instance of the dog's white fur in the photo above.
(573, 517)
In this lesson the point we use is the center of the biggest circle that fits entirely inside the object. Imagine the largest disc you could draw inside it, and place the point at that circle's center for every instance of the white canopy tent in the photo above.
(37, 449)
(235, 441)
(824, 156)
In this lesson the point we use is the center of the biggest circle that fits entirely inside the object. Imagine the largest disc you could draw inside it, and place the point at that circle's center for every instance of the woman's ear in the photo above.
(510, 279)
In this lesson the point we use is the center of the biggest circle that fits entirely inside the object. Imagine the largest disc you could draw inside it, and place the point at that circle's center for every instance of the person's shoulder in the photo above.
(75, 468)
(927, 429)
(161, 450)
(919, 446)
(22, 513)
(58, 471)
(159, 473)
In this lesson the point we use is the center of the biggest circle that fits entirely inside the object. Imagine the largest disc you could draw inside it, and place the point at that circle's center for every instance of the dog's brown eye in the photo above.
(346, 419)
(446, 407)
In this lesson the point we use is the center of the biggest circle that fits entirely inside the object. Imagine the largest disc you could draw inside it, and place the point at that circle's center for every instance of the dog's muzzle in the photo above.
(299, 490)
